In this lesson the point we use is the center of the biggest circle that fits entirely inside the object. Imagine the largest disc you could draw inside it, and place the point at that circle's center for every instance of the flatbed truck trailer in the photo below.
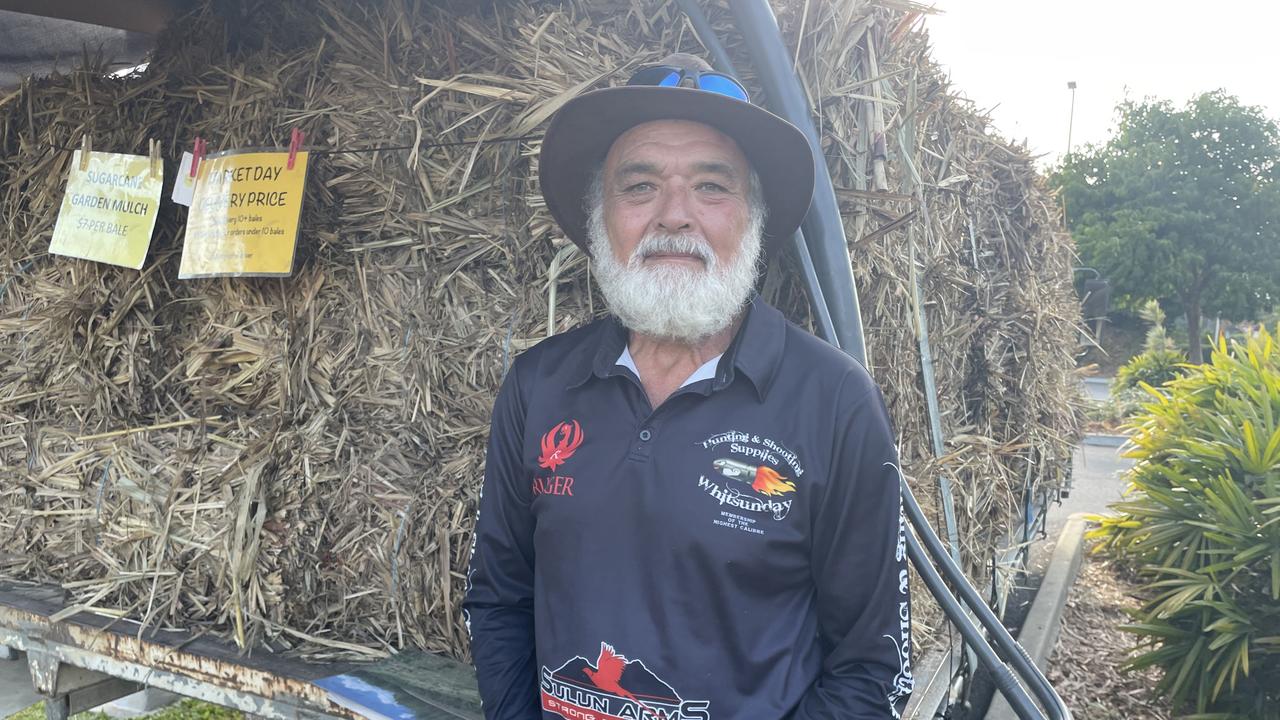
(80, 660)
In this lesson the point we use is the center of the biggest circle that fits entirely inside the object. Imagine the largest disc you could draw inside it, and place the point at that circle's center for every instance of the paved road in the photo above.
(15, 686)
(1097, 482)
(1098, 389)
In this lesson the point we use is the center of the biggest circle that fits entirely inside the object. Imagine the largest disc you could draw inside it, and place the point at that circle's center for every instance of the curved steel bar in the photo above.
(823, 226)
(830, 276)
(817, 301)
(1003, 678)
(1011, 651)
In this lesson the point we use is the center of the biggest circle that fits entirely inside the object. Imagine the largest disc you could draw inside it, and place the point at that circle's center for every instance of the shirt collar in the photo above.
(756, 350)
(706, 371)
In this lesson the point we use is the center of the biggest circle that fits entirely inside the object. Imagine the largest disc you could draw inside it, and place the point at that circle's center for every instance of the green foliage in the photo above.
(1153, 367)
(184, 710)
(1202, 522)
(1120, 406)
(1183, 205)
(1156, 365)
(1156, 339)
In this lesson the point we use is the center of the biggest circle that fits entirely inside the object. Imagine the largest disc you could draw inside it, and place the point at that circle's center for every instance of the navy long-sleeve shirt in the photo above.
(737, 552)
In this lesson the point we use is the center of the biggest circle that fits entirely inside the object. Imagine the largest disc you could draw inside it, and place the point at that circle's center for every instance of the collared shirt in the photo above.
(736, 552)
(705, 371)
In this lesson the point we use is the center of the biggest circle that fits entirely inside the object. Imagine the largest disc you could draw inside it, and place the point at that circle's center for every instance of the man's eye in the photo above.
(712, 187)
(638, 187)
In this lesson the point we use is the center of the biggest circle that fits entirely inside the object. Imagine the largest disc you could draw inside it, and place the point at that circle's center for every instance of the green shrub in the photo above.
(1153, 367)
(1120, 406)
(1202, 524)
(1158, 363)
(1156, 338)
(182, 710)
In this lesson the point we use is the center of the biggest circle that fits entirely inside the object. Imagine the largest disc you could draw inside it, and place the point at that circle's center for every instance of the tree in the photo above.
(1182, 206)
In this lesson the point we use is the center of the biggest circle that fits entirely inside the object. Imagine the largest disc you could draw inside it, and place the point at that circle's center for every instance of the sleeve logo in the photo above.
(559, 444)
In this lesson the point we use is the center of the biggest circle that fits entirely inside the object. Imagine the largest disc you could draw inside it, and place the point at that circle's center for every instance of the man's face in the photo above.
(675, 177)
(675, 230)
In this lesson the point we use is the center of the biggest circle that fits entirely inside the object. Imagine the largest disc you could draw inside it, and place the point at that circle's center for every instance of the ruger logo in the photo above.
(559, 444)
(614, 689)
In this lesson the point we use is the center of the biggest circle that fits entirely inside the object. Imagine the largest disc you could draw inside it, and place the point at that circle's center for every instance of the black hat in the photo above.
(582, 131)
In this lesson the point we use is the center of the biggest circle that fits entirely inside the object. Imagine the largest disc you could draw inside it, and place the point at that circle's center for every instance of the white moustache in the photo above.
(683, 244)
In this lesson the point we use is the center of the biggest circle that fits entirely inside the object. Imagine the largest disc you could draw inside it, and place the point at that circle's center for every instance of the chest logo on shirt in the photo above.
(764, 479)
(750, 473)
(559, 444)
(614, 688)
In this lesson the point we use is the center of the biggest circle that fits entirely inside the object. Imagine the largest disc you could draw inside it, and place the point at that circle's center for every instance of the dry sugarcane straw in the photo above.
(328, 509)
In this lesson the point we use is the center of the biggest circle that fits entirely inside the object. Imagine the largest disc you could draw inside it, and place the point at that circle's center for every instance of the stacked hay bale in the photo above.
(297, 460)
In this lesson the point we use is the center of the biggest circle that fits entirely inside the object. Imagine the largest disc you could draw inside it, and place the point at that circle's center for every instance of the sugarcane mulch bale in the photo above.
(297, 461)
(79, 345)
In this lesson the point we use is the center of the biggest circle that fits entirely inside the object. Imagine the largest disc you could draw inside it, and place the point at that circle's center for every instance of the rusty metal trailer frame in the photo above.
(84, 660)
(79, 660)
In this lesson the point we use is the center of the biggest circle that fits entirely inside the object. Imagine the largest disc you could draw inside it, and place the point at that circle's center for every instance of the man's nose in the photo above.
(675, 213)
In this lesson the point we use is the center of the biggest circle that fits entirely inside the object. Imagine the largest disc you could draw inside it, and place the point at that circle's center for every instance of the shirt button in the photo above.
(645, 435)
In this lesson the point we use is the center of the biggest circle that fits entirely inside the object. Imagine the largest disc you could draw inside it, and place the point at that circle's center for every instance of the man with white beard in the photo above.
(690, 508)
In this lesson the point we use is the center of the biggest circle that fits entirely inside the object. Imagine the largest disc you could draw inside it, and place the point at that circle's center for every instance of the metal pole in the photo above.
(821, 311)
(1071, 117)
(823, 228)
(707, 35)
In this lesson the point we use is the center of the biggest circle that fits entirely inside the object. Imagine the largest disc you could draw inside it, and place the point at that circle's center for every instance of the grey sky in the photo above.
(1015, 58)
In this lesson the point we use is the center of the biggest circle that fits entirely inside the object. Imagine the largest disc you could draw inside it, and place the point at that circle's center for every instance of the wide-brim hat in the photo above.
(582, 131)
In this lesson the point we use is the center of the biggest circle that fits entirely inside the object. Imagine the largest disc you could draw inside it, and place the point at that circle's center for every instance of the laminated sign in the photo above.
(109, 209)
(244, 214)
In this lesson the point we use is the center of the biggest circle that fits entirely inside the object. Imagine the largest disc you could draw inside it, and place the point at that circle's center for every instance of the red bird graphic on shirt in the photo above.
(556, 452)
(608, 675)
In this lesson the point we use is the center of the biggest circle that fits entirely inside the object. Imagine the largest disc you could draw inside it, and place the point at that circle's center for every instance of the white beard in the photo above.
(671, 301)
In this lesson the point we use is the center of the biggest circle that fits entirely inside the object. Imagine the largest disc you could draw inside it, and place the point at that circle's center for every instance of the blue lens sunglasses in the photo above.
(668, 76)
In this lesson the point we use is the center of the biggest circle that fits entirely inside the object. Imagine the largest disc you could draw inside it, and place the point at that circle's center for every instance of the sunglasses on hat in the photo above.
(669, 76)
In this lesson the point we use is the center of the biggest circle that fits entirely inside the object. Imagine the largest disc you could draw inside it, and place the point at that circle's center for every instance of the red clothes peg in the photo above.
(295, 143)
(197, 153)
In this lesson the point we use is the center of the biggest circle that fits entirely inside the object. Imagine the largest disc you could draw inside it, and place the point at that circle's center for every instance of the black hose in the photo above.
(826, 329)
(1004, 680)
(822, 314)
(823, 226)
(707, 35)
(1012, 651)
(828, 274)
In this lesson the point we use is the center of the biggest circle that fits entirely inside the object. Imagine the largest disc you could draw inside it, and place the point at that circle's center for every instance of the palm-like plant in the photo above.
(1202, 522)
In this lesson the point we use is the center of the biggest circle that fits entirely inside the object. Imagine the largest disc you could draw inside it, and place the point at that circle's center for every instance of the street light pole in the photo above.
(1071, 119)
(1071, 85)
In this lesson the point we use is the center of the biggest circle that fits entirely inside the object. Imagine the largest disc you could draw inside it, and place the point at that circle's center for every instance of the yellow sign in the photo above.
(244, 215)
(109, 209)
